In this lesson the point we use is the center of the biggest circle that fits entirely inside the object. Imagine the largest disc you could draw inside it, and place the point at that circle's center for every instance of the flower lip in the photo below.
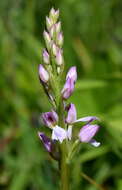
(59, 134)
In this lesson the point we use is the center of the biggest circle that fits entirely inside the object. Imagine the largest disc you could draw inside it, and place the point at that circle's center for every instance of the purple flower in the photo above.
(72, 114)
(70, 83)
(72, 74)
(68, 88)
(87, 133)
(59, 134)
(50, 118)
(43, 74)
(72, 119)
(46, 141)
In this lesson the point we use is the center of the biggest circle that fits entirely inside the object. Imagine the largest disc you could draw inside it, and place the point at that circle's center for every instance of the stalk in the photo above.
(64, 169)
(63, 165)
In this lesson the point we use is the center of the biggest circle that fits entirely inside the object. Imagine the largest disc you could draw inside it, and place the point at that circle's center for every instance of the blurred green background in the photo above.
(93, 42)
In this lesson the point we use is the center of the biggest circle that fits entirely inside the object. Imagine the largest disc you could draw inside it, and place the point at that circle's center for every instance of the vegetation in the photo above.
(92, 42)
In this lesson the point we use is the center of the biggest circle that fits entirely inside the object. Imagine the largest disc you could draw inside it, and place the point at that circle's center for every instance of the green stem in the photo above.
(63, 166)
(73, 151)
(64, 169)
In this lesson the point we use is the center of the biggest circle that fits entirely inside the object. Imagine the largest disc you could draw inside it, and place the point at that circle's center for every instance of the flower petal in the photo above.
(59, 133)
(72, 74)
(43, 74)
(88, 119)
(69, 132)
(46, 141)
(68, 88)
(50, 118)
(87, 132)
(72, 114)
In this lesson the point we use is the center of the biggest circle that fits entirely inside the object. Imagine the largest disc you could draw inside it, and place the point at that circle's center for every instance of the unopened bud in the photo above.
(58, 27)
(54, 15)
(47, 38)
(54, 49)
(72, 114)
(68, 89)
(46, 141)
(72, 74)
(60, 39)
(52, 31)
(48, 23)
(59, 57)
(46, 57)
(43, 74)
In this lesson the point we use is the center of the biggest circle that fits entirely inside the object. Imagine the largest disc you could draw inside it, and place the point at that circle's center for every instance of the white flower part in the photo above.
(59, 134)
(69, 132)
(94, 143)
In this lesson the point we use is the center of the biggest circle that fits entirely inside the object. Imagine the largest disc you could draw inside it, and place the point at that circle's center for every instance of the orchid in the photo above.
(62, 119)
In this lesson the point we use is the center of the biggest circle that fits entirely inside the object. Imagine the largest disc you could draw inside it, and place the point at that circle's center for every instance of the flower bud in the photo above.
(43, 74)
(54, 49)
(60, 39)
(72, 73)
(46, 141)
(59, 57)
(58, 27)
(50, 146)
(87, 132)
(52, 12)
(46, 57)
(72, 114)
(54, 15)
(68, 88)
(50, 118)
(52, 31)
(47, 39)
(48, 23)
